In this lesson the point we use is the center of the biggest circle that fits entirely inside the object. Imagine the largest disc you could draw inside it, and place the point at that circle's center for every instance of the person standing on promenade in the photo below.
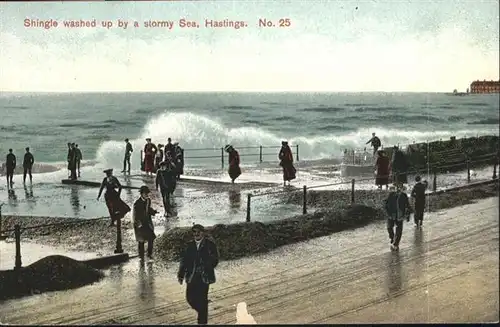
(28, 162)
(286, 162)
(418, 193)
(399, 166)
(116, 207)
(79, 158)
(169, 147)
(143, 222)
(69, 154)
(375, 143)
(149, 157)
(179, 160)
(10, 166)
(234, 170)
(72, 161)
(126, 159)
(197, 265)
(382, 166)
(165, 179)
(158, 157)
(397, 207)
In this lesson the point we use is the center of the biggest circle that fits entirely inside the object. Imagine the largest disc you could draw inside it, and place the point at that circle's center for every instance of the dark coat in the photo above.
(143, 223)
(209, 259)
(397, 206)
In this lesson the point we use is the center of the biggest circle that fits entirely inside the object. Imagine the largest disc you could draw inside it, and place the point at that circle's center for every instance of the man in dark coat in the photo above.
(399, 166)
(165, 180)
(72, 161)
(28, 162)
(126, 159)
(143, 222)
(418, 193)
(397, 207)
(197, 268)
(10, 166)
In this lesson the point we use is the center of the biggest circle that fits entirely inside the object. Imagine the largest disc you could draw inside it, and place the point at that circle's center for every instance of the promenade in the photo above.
(446, 272)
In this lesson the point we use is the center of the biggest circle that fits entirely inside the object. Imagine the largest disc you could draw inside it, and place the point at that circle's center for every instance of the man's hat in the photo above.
(144, 189)
(227, 147)
(126, 140)
(110, 170)
(148, 139)
(198, 227)
(284, 142)
(163, 163)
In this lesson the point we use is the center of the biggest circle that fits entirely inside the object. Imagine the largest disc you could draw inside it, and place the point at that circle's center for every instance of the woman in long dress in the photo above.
(234, 170)
(149, 155)
(382, 164)
(286, 162)
(116, 207)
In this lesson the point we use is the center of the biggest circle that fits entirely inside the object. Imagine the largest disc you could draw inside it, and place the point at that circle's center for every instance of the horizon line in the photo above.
(219, 91)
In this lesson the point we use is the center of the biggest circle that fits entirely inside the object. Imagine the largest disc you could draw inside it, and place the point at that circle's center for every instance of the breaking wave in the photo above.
(200, 132)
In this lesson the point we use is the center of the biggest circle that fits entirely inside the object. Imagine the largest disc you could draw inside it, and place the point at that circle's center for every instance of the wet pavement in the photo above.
(210, 202)
(448, 271)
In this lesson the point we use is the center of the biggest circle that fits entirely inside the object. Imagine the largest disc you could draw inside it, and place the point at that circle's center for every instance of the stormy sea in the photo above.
(321, 124)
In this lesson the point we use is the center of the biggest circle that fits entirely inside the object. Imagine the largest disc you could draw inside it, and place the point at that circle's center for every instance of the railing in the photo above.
(214, 153)
(482, 160)
(18, 229)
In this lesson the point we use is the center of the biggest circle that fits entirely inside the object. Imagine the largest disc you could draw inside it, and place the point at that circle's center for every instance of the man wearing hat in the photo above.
(234, 170)
(116, 207)
(143, 222)
(197, 265)
(397, 207)
(165, 179)
(286, 162)
(126, 159)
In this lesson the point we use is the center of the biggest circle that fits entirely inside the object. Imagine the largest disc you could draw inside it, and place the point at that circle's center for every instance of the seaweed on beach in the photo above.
(51, 273)
(243, 239)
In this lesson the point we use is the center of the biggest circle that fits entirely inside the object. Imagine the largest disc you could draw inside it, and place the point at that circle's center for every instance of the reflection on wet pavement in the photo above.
(448, 271)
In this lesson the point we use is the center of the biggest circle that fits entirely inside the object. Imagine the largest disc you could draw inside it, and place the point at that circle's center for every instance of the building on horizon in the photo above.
(485, 86)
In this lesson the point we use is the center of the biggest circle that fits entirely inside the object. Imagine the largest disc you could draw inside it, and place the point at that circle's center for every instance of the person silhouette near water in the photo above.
(10, 167)
(28, 162)
(126, 159)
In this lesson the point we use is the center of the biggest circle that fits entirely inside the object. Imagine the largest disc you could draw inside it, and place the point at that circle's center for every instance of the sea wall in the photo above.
(245, 239)
(451, 152)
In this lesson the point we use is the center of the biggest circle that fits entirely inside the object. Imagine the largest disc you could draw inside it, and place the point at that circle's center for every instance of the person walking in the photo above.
(116, 207)
(418, 193)
(28, 162)
(197, 265)
(165, 180)
(375, 143)
(143, 223)
(397, 207)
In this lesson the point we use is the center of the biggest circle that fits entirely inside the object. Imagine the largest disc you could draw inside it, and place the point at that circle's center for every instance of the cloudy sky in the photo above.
(354, 46)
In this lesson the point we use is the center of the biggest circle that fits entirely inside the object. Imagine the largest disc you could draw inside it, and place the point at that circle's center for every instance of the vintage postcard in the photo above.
(249, 162)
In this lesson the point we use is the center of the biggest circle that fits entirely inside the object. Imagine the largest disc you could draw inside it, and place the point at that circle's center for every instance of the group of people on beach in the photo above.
(198, 260)
(74, 159)
(156, 155)
(10, 165)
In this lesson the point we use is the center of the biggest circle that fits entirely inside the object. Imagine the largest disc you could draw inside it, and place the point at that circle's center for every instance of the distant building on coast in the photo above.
(485, 87)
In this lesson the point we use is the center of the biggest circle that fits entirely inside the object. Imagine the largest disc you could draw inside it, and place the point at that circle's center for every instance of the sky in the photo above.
(330, 46)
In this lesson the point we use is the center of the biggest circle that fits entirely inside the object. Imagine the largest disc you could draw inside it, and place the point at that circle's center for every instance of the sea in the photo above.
(322, 125)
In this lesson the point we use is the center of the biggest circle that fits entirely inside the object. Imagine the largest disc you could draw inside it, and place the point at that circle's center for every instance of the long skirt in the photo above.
(382, 178)
(234, 171)
(288, 172)
(149, 163)
(116, 207)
